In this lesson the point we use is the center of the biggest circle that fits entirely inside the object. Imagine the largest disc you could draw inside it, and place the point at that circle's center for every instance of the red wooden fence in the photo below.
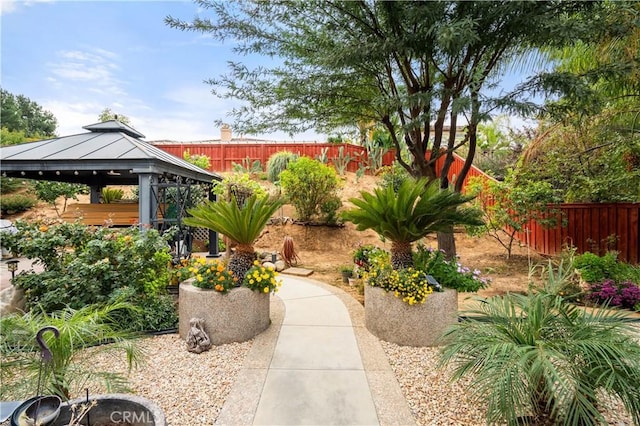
(590, 227)
(224, 154)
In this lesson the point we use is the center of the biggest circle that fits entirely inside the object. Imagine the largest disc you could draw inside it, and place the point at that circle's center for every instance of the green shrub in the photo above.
(509, 206)
(14, 203)
(68, 371)
(151, 313)
(596, 269)
(308, 184)
(199, 160)
(536, 359)
(50, 191)
(111, 195)
(277, 163)
(239, 185)
(329, 210)
(450, 274)
(393, 176)
(11, 185)
(84, 265)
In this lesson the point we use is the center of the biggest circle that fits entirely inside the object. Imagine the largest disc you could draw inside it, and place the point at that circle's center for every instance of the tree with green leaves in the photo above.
(107, 115)
(411, 66)
(21, 115)
(50, 191)
(589, 148)
(508, 207)
(415, 210)
(242, 224)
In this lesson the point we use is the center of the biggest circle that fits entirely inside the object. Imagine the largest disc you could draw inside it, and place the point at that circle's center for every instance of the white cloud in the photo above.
(7, 6)
(97, 67)
(72, 116)
(10, 6)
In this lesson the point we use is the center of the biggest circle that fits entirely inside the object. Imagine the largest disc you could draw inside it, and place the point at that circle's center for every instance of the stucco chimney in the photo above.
(225, 133)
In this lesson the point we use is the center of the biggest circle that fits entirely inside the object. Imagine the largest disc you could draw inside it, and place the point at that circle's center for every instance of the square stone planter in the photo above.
(389, 318)
(237, 316)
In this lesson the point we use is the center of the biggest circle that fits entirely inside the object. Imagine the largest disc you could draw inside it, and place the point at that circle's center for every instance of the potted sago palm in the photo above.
(403, 303)
(232, 297)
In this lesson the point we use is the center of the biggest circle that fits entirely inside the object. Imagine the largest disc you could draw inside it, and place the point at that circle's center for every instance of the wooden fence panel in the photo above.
(223, 155)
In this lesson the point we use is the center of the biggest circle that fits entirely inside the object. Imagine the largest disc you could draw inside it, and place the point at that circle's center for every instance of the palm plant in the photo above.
(536, 359)
(68, 371)
(242, 224)
(415, 210)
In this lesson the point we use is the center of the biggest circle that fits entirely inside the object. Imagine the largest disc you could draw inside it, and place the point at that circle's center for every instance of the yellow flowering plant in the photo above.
(212, 274)
(409, 284)
(261, 278)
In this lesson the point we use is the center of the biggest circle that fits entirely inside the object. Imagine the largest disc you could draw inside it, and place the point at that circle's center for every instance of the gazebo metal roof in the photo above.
(111, 153)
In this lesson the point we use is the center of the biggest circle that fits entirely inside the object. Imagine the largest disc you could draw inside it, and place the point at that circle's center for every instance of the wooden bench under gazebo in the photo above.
(98, 214)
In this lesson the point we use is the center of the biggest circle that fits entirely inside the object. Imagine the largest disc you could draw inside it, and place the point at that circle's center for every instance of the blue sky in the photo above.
(76, 58)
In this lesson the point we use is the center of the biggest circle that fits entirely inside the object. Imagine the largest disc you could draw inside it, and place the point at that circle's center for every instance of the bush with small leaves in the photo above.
(239, 185)
(84, 265)
(11, 185)
(308, 184)
(15, 203)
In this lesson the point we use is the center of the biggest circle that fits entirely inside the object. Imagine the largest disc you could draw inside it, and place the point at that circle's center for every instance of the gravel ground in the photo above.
(190, 388)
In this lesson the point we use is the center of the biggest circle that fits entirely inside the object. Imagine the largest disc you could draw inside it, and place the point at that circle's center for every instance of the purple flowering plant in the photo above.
(624, 294)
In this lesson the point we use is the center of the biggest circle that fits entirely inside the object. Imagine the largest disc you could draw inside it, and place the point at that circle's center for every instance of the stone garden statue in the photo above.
(197, 339)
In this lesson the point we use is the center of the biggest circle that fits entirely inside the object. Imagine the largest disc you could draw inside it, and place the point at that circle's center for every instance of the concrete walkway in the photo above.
(315, 365)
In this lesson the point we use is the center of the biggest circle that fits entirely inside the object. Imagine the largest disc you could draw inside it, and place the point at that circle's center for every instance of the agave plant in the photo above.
(242, 224)
(415, 210)
(68, 371)
(536, 359)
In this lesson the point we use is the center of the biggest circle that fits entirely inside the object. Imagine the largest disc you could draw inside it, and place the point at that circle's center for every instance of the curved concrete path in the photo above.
(316, 365)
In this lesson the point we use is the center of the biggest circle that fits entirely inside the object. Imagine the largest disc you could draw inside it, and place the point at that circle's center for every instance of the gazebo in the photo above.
(113, 153)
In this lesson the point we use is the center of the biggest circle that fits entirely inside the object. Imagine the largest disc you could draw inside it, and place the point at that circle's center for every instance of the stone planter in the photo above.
(389, 318)
(237, 316)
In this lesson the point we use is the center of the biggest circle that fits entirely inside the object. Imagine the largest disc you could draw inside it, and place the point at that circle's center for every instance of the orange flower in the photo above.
(43, 228)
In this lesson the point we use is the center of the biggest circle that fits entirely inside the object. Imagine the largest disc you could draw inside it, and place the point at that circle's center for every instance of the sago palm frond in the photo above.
(417, 209)
(241, 224)
(91, 326)
(539, 358)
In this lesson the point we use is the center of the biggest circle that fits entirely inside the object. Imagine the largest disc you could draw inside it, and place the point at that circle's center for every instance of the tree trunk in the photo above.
(401, 256)
(447, 243)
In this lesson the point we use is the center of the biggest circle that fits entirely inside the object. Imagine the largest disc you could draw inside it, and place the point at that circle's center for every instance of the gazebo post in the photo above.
(213, 236)
(147, 203)
(94, 195)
